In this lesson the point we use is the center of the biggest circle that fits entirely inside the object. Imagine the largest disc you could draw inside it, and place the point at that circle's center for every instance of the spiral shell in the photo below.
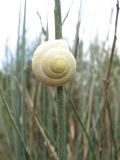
(53, 63)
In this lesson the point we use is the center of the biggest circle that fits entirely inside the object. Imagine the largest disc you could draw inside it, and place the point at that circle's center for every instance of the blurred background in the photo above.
(88, 26)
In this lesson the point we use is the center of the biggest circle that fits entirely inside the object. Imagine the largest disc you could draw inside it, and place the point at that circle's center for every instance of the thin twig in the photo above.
(107, 36)
(82, 125)
(106, 106)
(76, 40)
(67, 13)
(89, 117)
(114, 42)
(33, 119)
(43, 29)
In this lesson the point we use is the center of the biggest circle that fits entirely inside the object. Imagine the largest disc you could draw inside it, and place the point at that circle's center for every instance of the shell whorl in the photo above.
(53, 63)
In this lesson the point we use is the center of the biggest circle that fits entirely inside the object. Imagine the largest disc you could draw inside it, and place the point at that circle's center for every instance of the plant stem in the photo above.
(58, 23)
(14, 124)
(61, 126)
(106, 107)
(83, 127)
(62, 149)
(31, 135)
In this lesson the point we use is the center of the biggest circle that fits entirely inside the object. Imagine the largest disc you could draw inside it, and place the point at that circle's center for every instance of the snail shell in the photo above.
(53, 63)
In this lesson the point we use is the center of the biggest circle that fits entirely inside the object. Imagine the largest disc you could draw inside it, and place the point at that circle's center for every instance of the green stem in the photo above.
(23, 73)
(62, 151)
(83, 127)
(58, 24)
(14, 125)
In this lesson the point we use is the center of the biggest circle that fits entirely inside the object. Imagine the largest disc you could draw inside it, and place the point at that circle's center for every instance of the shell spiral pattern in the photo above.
(53, 64)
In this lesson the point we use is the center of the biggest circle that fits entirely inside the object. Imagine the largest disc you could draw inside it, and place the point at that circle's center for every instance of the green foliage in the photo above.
(83, 104)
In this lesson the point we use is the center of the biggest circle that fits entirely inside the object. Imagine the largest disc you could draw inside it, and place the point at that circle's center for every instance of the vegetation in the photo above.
(29, 110)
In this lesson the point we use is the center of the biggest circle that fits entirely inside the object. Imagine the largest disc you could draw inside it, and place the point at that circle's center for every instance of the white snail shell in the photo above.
(53, 63)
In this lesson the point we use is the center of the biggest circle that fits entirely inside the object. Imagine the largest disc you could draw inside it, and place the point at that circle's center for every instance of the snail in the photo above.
(53, 64)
